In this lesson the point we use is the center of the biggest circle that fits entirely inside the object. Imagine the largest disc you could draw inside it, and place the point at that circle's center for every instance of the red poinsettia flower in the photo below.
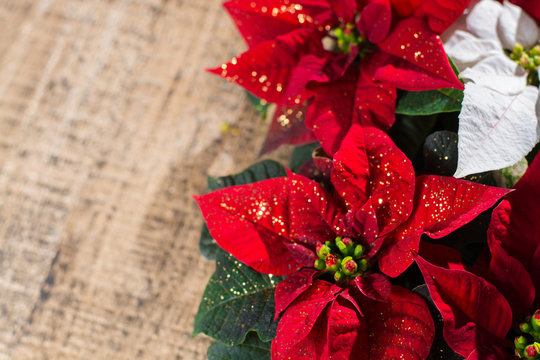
(346, 56)
(328, 241)
(479, 309)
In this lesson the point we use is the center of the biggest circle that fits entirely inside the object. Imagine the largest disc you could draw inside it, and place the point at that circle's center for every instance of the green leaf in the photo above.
(237, 299)
(252, 348)
(262, 170)
(260, 105)
(432, 101)
(409, 133)
(454, 67)
(440, 153)
(301, 154)
(207, 245)
(429, 102)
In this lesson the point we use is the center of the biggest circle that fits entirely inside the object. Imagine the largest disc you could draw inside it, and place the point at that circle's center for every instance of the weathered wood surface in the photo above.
(108, 125)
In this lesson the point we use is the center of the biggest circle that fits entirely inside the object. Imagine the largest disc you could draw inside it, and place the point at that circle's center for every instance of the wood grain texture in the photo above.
(108, 126)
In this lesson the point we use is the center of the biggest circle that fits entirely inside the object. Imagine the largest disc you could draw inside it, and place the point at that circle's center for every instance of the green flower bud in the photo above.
(345, 246)
(349, 266)
(535, 320)
(332, 262)
(358, 251)
(320, 264)
(531, 351)
(338, 276)
(347, 37)
(342, 247)
(536, 59)
(520, 342)
(363, 264)
(525, 327)
(524, 60)
(322, 251)
(535, 51)
(518, 50)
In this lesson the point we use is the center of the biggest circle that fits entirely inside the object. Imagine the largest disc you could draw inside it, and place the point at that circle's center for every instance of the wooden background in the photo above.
(108, 126)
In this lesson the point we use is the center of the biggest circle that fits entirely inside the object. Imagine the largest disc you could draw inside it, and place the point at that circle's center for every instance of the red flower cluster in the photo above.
(345, 56)
(479, 309)
(341, 240)
(330, 241)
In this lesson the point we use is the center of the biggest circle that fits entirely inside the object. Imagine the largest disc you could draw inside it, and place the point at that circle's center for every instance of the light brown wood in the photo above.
(108, 126)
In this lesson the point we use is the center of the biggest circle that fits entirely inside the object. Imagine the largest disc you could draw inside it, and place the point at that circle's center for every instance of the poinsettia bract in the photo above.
(479, 306)
(359, 51)
(329, 241)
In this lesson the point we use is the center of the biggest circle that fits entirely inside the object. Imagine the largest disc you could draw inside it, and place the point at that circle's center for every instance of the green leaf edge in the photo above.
(253, 342)
(198, 316)
(444, 92)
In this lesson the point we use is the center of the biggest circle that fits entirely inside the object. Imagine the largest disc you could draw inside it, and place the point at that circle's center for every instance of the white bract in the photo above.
(499, 120)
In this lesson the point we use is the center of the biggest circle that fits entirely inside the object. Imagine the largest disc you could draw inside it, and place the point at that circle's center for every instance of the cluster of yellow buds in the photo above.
(342, 257)
(529, 59)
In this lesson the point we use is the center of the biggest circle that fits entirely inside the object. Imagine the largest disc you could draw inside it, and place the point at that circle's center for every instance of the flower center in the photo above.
(345, 39)
(527, 344)
(529, 59)
(342, 258)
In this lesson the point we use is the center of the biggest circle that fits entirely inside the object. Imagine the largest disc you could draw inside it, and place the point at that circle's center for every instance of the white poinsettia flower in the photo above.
(496, 48)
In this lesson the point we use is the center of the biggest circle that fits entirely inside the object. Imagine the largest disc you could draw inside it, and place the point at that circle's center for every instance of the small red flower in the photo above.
(354, 51)
(373, 210)
(478, 309)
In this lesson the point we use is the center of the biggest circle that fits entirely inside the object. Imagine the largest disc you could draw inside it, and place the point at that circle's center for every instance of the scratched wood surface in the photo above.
(108, 125)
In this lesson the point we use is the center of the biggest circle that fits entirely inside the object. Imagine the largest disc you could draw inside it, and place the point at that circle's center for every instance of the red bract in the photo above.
(479, 310)
(530, 6)
(441, 205)
(327, 321)
(305, 49)
(373, 205)
(275, 225)
(287, 127)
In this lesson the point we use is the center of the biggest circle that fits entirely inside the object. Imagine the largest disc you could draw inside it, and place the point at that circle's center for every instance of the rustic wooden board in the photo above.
(108, 125)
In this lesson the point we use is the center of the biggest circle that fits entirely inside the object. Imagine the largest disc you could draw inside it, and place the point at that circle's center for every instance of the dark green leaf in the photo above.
(409, 133)
(237, 299)
(207, 245)
(429, 102)
(262, 170)
(485, 178)
(441, 153)
(252, 348)
(260, 105)
(301, 154)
